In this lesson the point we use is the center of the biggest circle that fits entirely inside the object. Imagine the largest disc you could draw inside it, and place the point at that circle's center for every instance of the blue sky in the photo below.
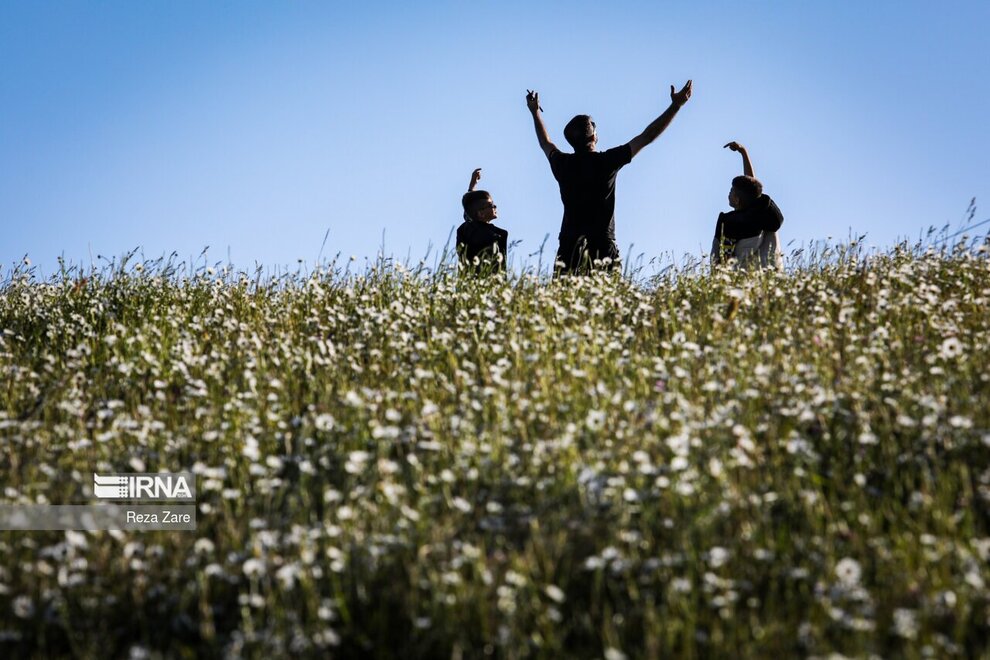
(253, 128)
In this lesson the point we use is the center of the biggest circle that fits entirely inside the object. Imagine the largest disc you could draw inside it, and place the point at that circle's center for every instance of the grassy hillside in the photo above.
(396, 463)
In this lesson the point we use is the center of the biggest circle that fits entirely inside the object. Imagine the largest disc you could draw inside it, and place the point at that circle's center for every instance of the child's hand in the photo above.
(475, 178)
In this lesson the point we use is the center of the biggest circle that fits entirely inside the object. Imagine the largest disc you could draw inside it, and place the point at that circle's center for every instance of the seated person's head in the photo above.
(478, 206)
(581, 133)
(745, 190)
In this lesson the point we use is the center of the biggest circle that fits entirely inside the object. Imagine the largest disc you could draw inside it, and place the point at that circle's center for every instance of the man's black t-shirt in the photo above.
(480, 239)
(587, 189)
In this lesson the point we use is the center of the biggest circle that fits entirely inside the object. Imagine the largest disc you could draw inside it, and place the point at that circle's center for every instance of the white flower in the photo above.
(203, 547)
(595, 419)
(717, 556)
(555, 593)
(76, 539)
(23, 607)
(973, 579)
(386, 466)
(356, 461)
(679, 444)
(867, 438)
(287, 575)
(848, 571)
(960, 422)
(515, 579)
(951, 348)
(905, 623)
(253, 568)
(324, 422)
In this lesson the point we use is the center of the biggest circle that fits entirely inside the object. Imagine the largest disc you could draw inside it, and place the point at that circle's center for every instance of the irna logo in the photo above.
(155, 487)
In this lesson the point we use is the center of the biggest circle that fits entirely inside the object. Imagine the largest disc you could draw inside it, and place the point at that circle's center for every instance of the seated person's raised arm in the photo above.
(475, 178)
(747, 164)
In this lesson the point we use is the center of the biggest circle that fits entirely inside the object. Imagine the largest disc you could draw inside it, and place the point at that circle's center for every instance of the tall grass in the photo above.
(401, 462)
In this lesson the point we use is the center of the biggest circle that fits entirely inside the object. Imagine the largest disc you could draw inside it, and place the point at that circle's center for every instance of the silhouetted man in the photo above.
(751, 227)
(587, 183)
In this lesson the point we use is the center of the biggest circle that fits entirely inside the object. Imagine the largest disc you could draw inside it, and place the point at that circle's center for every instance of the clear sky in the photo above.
(253, 128)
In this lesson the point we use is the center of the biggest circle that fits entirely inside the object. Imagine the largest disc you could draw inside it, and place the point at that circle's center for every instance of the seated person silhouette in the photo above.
(750, 229)
(481, 246)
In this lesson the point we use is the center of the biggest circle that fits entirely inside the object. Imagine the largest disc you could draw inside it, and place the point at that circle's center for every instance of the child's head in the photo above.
(478, 206)
(581, 133)
(745, 190)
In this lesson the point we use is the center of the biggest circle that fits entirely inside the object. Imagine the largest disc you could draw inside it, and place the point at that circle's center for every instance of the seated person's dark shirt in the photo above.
(762, 215)
(480, 239)
(587, 189)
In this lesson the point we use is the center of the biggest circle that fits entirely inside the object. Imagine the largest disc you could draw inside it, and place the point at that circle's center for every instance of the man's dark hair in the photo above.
(748, 188)
(472, 200)
(580, 132)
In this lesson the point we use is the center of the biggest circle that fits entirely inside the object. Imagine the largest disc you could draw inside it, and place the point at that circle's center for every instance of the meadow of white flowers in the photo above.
(408, 463)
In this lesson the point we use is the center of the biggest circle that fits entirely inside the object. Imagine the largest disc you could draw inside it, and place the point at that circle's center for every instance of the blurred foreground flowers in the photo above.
(409, 463)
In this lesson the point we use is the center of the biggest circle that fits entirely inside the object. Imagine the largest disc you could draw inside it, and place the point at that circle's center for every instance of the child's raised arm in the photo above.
(747, 165)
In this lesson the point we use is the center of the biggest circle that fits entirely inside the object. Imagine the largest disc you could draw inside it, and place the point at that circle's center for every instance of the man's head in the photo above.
(478, 206)
(581, 133)
(745, 190)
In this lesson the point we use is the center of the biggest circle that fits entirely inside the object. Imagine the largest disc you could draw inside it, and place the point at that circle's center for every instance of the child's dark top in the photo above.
(481, 239)
(762, 215)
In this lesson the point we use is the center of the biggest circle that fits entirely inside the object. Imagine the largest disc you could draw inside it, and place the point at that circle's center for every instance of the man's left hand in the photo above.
(681, 97)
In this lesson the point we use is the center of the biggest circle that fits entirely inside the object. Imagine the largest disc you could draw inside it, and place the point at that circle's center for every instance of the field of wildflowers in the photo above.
(401, 462)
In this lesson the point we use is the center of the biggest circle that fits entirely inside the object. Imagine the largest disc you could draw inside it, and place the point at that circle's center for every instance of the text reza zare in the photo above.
(165, 517)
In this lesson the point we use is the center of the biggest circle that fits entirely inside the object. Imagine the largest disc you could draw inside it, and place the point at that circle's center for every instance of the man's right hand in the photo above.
(734, 146)
(681, 97)
(475, 178)
(533, 101)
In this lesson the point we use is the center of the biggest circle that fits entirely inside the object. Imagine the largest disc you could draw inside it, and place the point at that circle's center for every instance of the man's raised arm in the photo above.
(533, 103)
(657, 126)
